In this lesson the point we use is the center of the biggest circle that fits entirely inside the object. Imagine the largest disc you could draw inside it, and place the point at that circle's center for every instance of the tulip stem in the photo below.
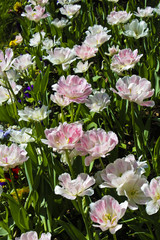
(69, 163)
(77, 112)
(101, 53)
(101, 162)
(84, 219)
(145, 5)
(11, 95)
(72, 112)
(114, 237)
(133, 125)
(63, 119)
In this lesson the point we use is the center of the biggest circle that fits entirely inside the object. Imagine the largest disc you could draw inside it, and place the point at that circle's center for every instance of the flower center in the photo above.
(107, 217)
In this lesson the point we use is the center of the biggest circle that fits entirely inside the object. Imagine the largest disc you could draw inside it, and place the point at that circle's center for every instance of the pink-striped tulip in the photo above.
(34, 236)
(80, 186)
(12, 156)
(85, 52)
(65, 136)
(106, 213)
(35, 14)
(125, 60)
(73, 87)
(97, 143)
(153, 192)
(135, 89)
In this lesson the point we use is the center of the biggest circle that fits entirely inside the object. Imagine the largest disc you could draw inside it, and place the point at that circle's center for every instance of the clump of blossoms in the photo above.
(112, 50)
(12, 75)
(38, 2)
(85, 52)
(97, 40)
(124, 60)
(22, 62)
(99, 101)
(115, 18)
(5, 60)
(116, 173)
(97, 143)
(6, 92)
(136, 29)
(131, 188)
(33, 235)
(70, 10)
(65, 136)
(63, 56)
(60, 100)
(147, 12)
(12, 156)
(125, 175)
(49, 43)
(70, 189)
(106, 212)
(96, 36)
(135, 89)
(18, 38)
(35, 14)
(36, 39)
(37, 114)
(82, 67)
(22, 136)
(96, 29)
(60, 23)
(157, 9)
(66, 2)
(152, 191)
(76, 89)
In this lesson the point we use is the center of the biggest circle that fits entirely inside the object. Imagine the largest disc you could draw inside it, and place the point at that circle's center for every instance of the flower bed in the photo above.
(79, 115)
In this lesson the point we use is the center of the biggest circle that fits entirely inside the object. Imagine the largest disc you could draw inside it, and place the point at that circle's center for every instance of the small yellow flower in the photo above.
(3, 182)
(17, 7)
(20, 192)
(13, 43)
(18, 40)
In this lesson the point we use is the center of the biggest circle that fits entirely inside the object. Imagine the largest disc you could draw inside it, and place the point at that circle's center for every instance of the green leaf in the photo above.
(23, 218)
(14, 208)
(157, 79)
(32, 153)
(39, 63)
(5, 114)
(143, 71)
(19, 214)
(32, 199)
(36, 87)
(156, 156)
(96, 78)
(71, 230)
(96, 236)
(44, 81)
(92, 125)
(3, 232)
(4, 229)
(28, 171)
